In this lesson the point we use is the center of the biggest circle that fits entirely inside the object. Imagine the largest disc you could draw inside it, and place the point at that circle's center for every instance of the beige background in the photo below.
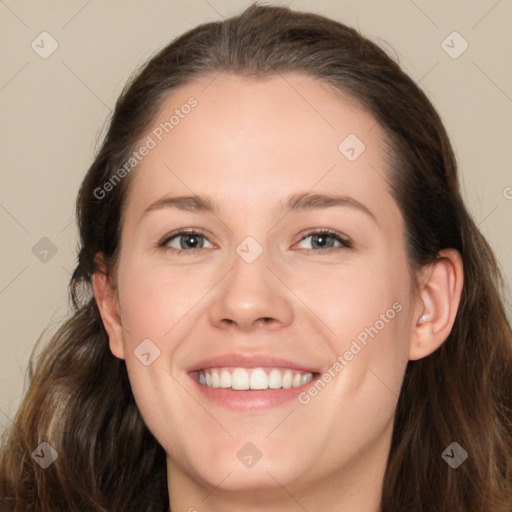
(53, 110)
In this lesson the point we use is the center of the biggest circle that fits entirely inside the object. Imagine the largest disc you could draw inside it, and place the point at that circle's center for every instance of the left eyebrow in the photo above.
(307, 201)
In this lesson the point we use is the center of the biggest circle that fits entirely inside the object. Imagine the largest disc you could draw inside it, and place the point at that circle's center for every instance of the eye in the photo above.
(322, 240)
(184, 241)
(325, 240)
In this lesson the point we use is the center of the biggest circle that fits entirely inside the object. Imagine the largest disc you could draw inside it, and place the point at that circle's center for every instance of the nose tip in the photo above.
(251, 297)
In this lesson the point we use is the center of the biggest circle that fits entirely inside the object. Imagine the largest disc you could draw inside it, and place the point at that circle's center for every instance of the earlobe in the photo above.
(106, 299)
(439, 298)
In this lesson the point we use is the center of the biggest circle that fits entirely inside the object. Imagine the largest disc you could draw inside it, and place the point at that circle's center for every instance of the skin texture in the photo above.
(248, 145)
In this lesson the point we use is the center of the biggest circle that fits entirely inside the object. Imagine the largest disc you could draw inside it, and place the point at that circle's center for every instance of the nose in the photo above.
(251, 296)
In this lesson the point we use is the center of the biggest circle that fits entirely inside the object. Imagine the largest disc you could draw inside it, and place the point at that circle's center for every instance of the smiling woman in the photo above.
(284, 304)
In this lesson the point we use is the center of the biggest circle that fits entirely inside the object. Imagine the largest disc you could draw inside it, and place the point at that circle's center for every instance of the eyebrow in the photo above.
(295, 202)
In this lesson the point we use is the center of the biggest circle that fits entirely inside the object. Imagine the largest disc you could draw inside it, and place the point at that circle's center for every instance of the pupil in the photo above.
(191, 240)
(320, 240)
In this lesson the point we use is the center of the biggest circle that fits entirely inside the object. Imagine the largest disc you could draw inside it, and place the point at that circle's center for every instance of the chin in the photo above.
(242, 467)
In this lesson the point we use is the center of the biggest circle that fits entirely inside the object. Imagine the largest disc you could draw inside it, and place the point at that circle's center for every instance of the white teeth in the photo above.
(275, 379)
(305, 378)
(215, 379)
(287, 379)
(242, 379)
(259, 379)
(225, 379)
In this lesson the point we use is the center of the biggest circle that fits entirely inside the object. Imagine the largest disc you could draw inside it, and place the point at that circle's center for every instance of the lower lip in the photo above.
(251, 399)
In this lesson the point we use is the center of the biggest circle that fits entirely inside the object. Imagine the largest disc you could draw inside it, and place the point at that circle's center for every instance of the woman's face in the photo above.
(294, 283)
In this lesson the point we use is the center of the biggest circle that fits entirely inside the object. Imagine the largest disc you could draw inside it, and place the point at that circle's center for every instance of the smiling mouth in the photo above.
(245, 379)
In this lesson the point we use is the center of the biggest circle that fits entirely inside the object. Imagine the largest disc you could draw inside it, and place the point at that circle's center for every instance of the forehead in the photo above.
(253, 141)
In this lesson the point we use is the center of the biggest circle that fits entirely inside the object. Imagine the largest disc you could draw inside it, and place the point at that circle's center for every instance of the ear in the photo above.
(439, 298)
(105, 294)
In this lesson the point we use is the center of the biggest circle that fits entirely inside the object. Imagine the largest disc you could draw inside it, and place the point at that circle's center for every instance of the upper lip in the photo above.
(250, 361)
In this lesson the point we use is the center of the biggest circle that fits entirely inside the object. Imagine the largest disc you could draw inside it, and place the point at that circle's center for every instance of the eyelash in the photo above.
(344, 242)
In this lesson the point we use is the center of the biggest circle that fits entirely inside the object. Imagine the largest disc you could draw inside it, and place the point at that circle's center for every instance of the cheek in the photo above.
(153, 298)
(366, 308)
(358, 298)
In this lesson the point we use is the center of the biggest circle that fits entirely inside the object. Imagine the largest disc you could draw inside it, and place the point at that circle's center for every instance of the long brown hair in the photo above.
(79, 400)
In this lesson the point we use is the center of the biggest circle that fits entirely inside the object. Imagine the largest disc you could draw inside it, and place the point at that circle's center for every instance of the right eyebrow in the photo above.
(189, 203)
